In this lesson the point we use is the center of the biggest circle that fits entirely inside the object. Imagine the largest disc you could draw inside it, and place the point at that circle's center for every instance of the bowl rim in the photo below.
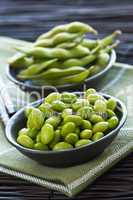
(89, 79)
(36, 103)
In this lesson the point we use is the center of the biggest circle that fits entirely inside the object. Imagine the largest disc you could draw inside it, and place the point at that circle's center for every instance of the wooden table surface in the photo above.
(26, 19)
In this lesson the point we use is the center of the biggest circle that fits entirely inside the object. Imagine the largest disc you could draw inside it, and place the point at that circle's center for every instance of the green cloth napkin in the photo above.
(71, 180)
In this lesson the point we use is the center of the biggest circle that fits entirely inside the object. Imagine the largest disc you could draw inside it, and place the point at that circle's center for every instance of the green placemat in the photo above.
(72, 180)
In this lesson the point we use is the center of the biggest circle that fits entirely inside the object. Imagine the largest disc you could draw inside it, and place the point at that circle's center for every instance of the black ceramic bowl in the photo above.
(68, 157)
(90, 82)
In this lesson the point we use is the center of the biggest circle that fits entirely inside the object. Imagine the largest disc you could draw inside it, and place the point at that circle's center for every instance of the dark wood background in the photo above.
(26, 19)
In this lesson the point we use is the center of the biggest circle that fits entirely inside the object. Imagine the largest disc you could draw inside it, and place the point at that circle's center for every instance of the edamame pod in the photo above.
(103, 59)
(78, 78)
(79, 62)
(90, 44)
(106, 41)
(59, 53)
(36, 68)
(73, 27)
(19, 61)
(54, 73)
(94, 69)
(57, 39)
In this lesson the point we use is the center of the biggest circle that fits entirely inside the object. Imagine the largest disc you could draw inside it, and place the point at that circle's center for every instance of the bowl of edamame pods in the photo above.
(66, 129)
(64, 58)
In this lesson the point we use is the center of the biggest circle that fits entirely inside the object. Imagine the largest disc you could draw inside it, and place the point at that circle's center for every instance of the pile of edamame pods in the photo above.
(63, 55)
(66, 121)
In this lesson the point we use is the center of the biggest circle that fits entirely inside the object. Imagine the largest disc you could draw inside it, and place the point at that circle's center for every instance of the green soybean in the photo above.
(23, 131)
(77, 130)
(67, 111)
(68, 127)
(90, 91)
(52, 97)
(68, 97)
(71, 138)
(28, 110)
(47, 133)
(110, 113)
(32, 133)
(47, 110)
(111, 104)
(82, 142)
(86, 134)
(113, 122)
(25, 141)
(62, 146)
(80, 103)
(73, 118)
(58, 105)
(86, 124)
(85, 112)
(92, 98)
(95, 118)
(100, 127)
(97, 136)
(54, 121)
(40, 146)
(38, 137)
(35, 119)
(56, 139)
(100, 106)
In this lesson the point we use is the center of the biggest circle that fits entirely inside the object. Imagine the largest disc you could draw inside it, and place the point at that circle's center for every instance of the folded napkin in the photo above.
(70, 180)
